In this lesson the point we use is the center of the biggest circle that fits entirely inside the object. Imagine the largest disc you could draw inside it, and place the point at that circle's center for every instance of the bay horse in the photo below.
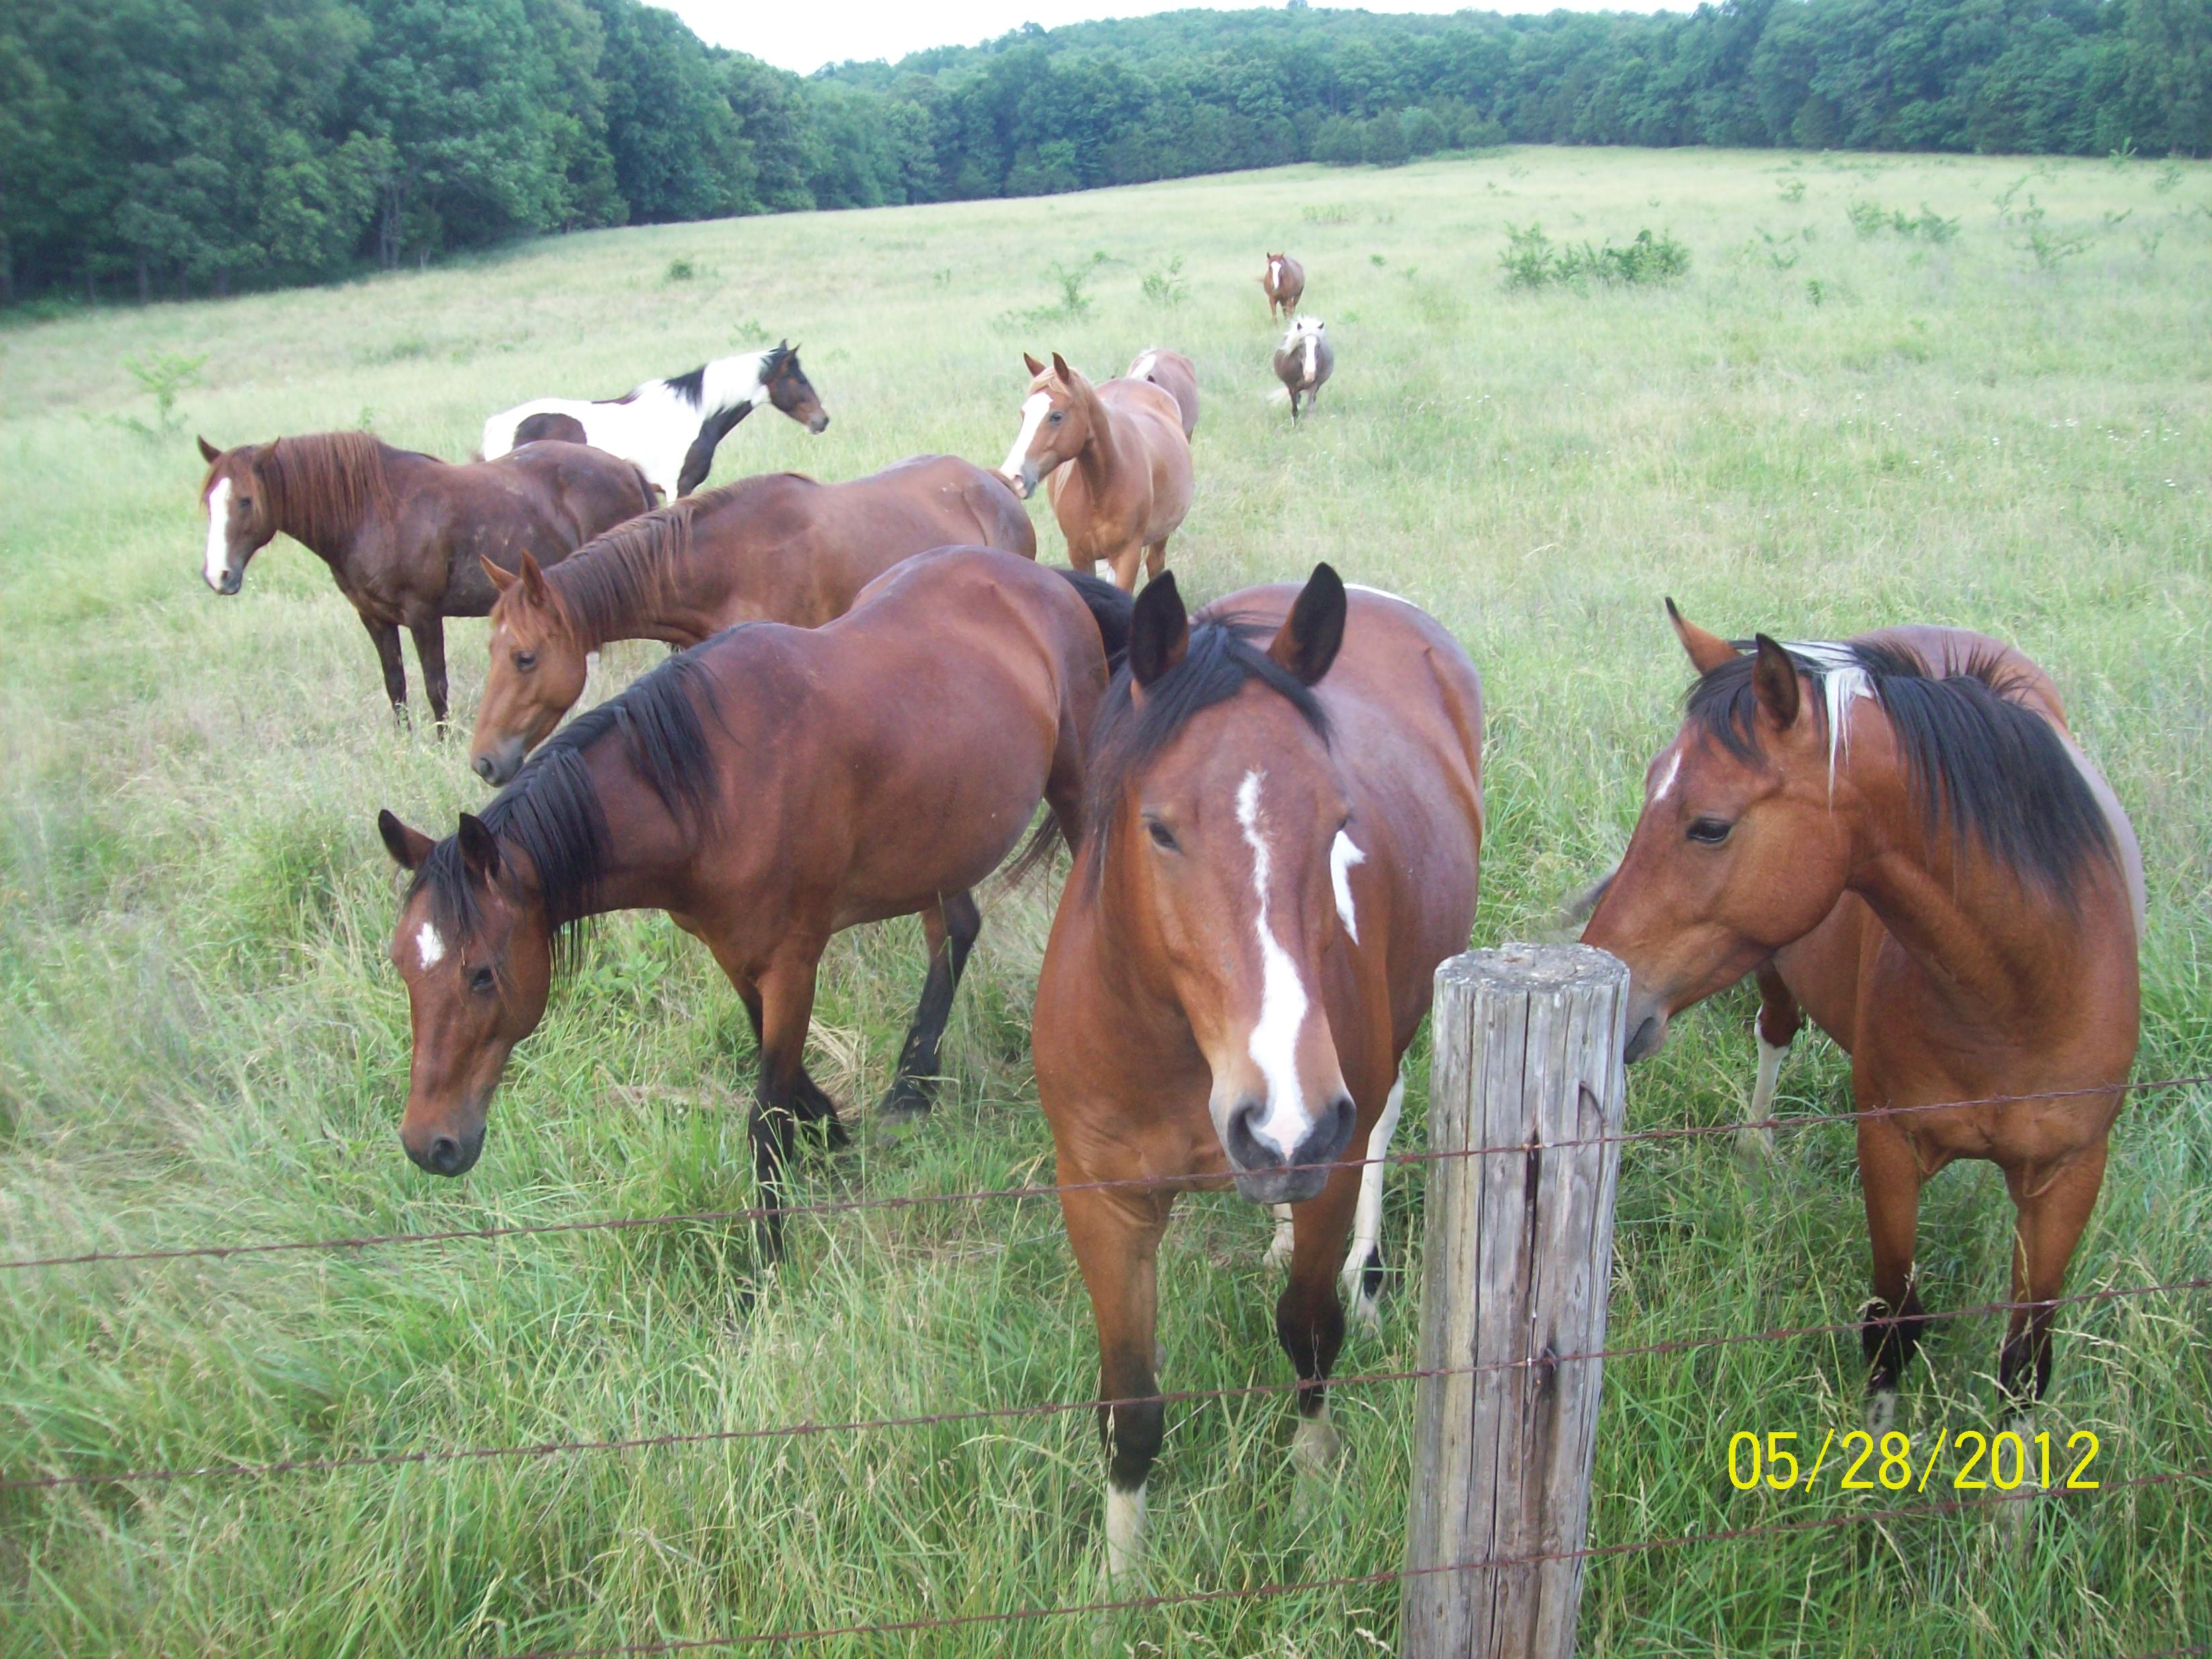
(1174, 374)
(669, 427)
(768, 789)
(1118, 462)
(1304, 360)
(1284, 282)
(777, 548)
(1899, 835)
(1284, 817)
(410, 537)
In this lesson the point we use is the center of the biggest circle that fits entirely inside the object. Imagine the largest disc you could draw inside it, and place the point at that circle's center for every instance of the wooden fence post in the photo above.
(1519, 1257)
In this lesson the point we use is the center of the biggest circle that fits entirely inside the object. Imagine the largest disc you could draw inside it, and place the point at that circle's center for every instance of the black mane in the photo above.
(552, 814)
(691, 387)
(1983, 767)
(1128, 736)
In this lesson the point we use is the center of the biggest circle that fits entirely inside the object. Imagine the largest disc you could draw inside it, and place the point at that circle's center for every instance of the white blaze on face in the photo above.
(429, 947)
(218, 540)
(1275, 273)
(1668, 775)
(1312, 347)
(1283, 1003)
(1034, 410)
(1343, 853)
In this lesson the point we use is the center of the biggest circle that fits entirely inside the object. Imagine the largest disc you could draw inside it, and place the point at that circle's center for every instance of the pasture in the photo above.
(1814, 431)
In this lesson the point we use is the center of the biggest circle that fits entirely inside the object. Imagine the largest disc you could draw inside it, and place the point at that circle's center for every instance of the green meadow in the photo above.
(1982, 399)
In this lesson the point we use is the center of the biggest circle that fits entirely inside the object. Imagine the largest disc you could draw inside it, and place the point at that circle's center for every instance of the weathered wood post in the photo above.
(1519, 1256)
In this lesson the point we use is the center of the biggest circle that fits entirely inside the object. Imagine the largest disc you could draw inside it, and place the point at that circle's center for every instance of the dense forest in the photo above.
(157, 147)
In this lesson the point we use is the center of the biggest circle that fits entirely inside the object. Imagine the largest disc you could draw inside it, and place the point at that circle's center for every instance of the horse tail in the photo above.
(1036, 851)
(1110, 608)
(645, 490)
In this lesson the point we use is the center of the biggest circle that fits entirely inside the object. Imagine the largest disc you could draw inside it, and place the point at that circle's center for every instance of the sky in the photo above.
(804, 35)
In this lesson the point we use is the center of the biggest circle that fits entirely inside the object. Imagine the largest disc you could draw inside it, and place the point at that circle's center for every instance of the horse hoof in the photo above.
(1361, 1286)
(1316, 1449)
(1755, 1146)
(904, 1107)
(1881, 1412)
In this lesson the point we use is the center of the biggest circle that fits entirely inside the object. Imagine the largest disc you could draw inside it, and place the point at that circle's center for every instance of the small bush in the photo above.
(1532, 260)
(1870, 219)
(1167, 287)
(1333, 213)
(680, 270)
(162, 378)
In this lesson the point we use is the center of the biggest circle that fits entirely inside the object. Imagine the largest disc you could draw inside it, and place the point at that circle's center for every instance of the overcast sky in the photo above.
(804, 35)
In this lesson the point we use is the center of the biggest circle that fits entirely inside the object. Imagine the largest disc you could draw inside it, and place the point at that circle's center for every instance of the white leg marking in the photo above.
(1317, 1447)
(1034, 410)
(429, 948)
(1125, 1531)
(218, 540)
(1367, 1219)
(1282, 1002)
(1881, 1413)
(1343, 853)
(1759, 1142)
(1279, 1250)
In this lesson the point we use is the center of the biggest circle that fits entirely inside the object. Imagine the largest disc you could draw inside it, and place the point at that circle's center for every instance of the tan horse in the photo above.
(1174, 374)
(1283, 809)
(1304, 360)
(1284, 282)
(1899, 834)
(1130, 483)
(778, 548)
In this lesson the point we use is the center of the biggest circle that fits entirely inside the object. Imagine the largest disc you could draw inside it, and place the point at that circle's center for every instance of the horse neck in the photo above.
(648, 852)
(325, 532)
(729, 382)
(619, 589)
(1100, 457)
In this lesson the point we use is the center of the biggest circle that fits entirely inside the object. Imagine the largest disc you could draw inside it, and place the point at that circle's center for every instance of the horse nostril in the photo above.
(445, 1154)
(484, 768)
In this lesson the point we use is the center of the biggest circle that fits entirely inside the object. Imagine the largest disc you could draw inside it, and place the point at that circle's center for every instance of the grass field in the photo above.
(201, 1040)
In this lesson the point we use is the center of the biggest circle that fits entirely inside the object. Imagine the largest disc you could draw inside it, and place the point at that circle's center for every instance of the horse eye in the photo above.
(1162, 835)
(480, 981)
(1710, 832)
(526, 660)
(1058, 416)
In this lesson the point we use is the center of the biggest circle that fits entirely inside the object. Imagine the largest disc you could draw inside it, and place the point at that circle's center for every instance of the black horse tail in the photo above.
(1110, 608)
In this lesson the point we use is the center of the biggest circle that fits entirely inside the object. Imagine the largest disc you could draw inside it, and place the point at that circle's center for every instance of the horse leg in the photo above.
(1115, 1235)
(1279, 1247)
(1310, 1318)
(1889, 1180)
(384, 636)
(1124, 562)
(787, 996)
(812, 1102)
(2051, 1216)
(1780, 1021)
(950, 925)
(430, 651)
(1156, 559)
(1361, 1281)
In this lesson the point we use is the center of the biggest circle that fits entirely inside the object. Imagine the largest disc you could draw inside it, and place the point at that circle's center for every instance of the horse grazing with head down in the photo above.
(1304, 360)
(669, 427)
(1285, 826)
(769, 789)
(778, 548)
(410, 537)
(1174, 374)
(1284, 282)
(1118, 462)
(1899, 836)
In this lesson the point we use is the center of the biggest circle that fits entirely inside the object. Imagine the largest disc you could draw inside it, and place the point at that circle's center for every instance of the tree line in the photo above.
(156, 146)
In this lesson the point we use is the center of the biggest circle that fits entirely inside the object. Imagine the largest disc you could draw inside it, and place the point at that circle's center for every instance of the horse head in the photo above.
(538, 670)
(790, 391)
(241, 521)
(1056, 424)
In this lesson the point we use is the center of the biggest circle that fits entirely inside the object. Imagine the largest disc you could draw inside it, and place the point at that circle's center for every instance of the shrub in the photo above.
(1532, 260)
(1167, 287)
(1870, 219)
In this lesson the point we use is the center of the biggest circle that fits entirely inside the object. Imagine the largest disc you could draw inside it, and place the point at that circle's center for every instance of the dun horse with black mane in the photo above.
(1899, 836)
(768, 789)
(1285, 825)
(778, 548)
(410, 537)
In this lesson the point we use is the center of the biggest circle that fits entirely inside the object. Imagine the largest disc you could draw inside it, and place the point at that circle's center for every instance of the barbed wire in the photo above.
(909, 1201)
(1044, 1408)
(1348, 1581)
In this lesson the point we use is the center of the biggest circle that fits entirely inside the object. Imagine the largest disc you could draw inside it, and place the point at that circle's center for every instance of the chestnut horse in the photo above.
(1899, 834)
(1130, 483)
(1174, 374)
(1284, 282)
(768, 789)
(1285, 822)
(409, 537)
(1304, 360)
(778, 548)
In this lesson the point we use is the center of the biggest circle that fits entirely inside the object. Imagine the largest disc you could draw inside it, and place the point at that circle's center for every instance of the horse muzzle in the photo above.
(445, 1153)
(1267, 1174)
(1647, 1028)
(228, 582)
(818, 424)
(498, 764)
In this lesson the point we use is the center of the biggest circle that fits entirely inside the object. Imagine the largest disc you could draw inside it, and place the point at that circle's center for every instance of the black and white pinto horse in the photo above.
(669, 428)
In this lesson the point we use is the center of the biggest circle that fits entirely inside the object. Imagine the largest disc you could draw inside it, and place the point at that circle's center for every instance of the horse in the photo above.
(1284, 817)
(777, 548)
(669, 427)
(563, 428)
(1174, 374)
(1304, 360)
(768, 789)
(1284, 282)
(409, 537)
(1130, 484)
(1899, 835)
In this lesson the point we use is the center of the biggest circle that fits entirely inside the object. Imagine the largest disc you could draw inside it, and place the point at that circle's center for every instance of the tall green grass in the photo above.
(201, 1040)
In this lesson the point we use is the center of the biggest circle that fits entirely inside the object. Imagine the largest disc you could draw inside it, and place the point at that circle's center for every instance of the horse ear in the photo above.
(1059, 367)
(1708, 651)
(1774, 679)
(1307, 642)
(1159, 629)
(533, 580)
(502, 578)
(479, 847)
(1035, 367)
(408, 847)
(209, 453)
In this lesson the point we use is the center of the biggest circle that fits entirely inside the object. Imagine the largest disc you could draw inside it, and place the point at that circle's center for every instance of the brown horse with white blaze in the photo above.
(769, 789)
(1286, 821)
(777, 548)
(1118, 461)
(410, 537)
(1899, 836)
(1174, 374)
(1284, 282)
